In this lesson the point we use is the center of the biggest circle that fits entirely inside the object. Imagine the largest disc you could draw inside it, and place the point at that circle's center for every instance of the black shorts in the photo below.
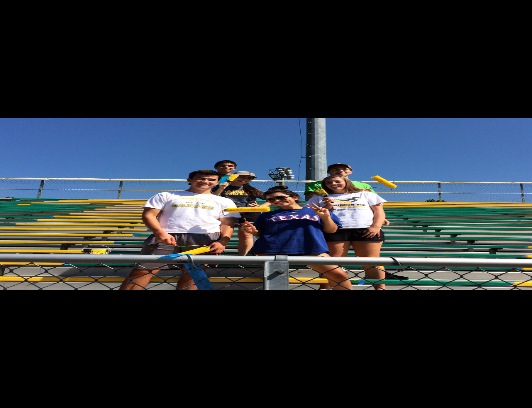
(352, 234)
(185, 242)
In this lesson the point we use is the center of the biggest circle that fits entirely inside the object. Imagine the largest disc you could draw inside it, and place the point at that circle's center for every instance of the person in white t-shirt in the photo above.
(180, 222)
(362, 216)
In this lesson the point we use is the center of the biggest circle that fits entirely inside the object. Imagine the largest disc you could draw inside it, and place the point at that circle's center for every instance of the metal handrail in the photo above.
(120, 188)
(262, 181)
(296, 260)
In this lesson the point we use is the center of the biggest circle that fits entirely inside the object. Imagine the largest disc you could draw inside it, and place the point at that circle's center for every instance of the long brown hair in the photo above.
(252, 191)
(349, 186)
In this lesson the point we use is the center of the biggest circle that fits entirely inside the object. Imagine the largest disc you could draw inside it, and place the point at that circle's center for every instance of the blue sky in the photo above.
(398, 149)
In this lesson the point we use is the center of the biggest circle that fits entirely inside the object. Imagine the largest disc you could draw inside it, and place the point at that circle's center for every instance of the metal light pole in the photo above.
(316, 149)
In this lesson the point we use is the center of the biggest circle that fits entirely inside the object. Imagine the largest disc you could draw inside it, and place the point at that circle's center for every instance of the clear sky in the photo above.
(398, 149)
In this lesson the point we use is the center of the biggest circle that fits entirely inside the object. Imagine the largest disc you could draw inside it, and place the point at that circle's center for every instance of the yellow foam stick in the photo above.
(321, 191)
(232, 177)
(383, 181)
(196, 251)
(247, 209)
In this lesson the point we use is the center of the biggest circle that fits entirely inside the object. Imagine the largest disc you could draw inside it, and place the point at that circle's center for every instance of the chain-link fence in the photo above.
(409, 191)
(225, 272)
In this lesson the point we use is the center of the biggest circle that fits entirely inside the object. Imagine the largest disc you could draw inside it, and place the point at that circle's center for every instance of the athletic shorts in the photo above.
(184, 243)
(352, 234)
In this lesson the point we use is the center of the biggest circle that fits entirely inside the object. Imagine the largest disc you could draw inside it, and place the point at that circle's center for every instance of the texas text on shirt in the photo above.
(291, 232)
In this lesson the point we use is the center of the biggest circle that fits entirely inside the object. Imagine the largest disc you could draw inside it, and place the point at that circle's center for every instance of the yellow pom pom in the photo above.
(232, 177)
(383, 181)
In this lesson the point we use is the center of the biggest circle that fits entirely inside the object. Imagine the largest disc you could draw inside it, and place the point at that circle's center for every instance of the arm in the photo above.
(226, 230)
(255, 204)
(378, 219)
(329, 226)
(149, 217)
(266, 203)
(221, 187)
(248, 228)
(328, 203)
(385, 222)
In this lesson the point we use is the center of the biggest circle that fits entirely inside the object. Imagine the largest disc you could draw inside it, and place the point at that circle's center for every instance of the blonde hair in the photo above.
(349, 186)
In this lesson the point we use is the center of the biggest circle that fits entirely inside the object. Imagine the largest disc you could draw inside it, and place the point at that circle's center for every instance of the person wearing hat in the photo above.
(243, 195)
(336, 170)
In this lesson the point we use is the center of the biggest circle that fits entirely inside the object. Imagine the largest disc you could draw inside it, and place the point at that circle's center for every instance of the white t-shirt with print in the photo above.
(192, 213)
(353, 209)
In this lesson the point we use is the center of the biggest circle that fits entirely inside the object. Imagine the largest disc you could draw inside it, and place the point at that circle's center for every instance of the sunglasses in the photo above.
(271, 200)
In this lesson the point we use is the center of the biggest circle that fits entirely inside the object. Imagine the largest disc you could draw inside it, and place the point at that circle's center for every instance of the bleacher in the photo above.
(459, 230)
(70, 226)
(114, 226)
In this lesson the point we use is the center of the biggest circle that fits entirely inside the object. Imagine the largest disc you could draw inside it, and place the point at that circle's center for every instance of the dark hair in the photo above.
(281, 189)
(252, 191)
(205, 172)
(224, 161)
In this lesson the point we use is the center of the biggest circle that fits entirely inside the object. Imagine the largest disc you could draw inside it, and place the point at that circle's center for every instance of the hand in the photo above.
(216, 248)
(224, 185)
(321, 211)
(371, 232)
(385, 223)
(166, 238)
(253, 204)
(248, 228)
(328, 203)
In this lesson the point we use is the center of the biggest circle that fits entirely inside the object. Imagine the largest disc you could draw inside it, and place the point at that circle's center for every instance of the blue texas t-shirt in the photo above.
(297, 232)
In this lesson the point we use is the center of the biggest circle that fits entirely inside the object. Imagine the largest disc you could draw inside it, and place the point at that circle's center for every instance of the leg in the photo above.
(188, 242)
(138, 279)
(185, 281)
(337, 276)
(371, 249)
(337, 248)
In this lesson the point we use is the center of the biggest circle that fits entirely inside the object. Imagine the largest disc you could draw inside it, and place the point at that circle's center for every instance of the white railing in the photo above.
(83, 188)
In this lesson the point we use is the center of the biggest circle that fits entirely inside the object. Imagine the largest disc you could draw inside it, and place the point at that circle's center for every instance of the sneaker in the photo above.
(389, 275)
(392, 276)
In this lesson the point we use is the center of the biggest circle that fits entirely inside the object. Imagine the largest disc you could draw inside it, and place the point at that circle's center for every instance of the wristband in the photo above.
(224, 242)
